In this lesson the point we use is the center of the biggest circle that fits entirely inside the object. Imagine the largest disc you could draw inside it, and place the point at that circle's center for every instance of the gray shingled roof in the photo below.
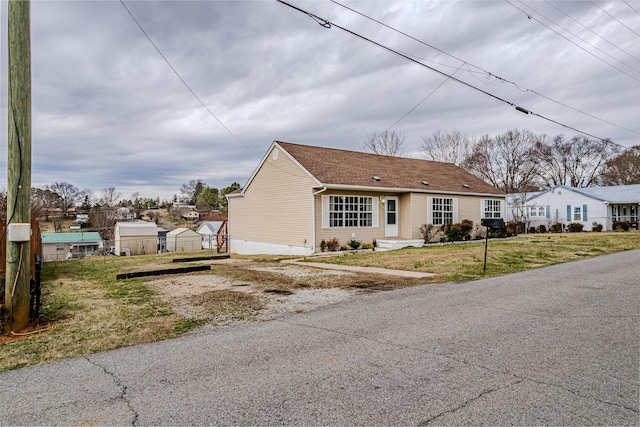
(336, 167)
(613, 194)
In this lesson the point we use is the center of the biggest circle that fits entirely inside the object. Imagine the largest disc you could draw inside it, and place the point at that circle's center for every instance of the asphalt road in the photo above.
(558, 345)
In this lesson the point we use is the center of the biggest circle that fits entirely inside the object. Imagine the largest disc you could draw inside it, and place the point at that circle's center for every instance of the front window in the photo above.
(577, 213)
(350, 211)
(442, 210)
(492, 209)
(537, 211)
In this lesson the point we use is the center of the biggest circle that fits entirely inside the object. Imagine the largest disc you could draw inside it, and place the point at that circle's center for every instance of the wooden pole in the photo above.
(17, 284)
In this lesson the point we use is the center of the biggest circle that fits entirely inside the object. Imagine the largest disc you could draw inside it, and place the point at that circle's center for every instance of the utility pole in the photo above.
(18, 263)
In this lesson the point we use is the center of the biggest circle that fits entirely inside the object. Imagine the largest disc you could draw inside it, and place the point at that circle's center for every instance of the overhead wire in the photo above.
(631, 7)
(185, 83)
(328, 24)
(483, 71)
(590, 30)
(580, 38)
(571, 41)
(614, 18)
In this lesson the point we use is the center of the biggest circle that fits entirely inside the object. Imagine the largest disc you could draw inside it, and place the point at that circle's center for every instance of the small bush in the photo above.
(515, 227)
(556, 228)
(621, 226)
(344, 248)
(333, 244)
(575, 227)
(354, 244)
(532, 230)
(375, 243)
(478, 232)
(323, 246)
(457, 232)
(597, 228)
(367, 246)
(430, 233)
(542, 228)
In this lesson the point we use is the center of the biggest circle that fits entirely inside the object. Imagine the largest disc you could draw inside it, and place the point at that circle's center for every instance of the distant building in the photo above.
(183, 239)
(59, 246)
(136, 238)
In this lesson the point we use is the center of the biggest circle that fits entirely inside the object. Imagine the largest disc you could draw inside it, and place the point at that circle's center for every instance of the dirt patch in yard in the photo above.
(222, 300)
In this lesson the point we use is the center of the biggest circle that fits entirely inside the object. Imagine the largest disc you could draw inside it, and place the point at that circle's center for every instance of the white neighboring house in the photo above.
(183, 239)
(589, 206)
(209, 231)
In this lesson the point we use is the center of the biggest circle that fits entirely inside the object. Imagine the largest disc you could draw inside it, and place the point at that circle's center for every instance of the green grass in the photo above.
(86, 310)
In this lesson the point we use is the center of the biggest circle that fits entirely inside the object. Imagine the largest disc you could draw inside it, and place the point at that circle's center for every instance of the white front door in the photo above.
(391, 216)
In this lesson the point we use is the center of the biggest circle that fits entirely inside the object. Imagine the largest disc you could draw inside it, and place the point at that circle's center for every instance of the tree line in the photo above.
(518, 161)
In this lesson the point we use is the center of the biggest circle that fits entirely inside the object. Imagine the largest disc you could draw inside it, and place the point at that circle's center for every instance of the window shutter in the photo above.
(325, 211)
(375, 211)
(528, 212)
(483, 202)
(429, 210)
(569, 213)
(503, 209)
(455, 211)
(548, 211)
(584, 213)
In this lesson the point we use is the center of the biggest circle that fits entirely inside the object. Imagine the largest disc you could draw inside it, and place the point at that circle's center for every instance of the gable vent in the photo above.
(376, 178)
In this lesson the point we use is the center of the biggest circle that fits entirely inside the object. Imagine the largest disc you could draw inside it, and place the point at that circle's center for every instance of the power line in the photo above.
(328, 24)
(580, 38)
(425, 98)
(571, 41)
(590, 30)
(483, 71)
(631, 7)
(614, 18)
(184, 82)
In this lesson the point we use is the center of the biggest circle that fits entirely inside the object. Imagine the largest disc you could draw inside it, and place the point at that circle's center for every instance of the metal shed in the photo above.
(136, 238)
(183, 239)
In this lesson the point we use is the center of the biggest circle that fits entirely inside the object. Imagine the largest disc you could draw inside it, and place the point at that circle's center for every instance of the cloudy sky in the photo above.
(108, 110)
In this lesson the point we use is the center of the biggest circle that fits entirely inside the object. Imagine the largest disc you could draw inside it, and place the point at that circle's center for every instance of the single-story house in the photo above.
(183, 239)
(191, 216)
(300, 195)
(136, 238)
(58, 246)
(589, 206)
(209, 231)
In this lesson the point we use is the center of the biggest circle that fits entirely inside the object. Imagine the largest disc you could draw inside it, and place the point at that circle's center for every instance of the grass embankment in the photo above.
(464, 261)
(87, 310)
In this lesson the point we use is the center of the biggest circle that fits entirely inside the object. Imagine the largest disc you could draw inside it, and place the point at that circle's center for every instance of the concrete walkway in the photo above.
(374, 270)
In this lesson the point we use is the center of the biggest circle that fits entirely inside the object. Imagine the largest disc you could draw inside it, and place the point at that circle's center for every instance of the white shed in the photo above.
(209, 231)
(136, 238)
(183, 239)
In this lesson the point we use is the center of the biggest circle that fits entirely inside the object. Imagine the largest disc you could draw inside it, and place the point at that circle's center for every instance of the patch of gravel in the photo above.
(176, 291)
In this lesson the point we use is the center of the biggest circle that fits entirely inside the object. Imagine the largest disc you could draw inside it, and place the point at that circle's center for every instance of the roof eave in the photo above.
(406, 190)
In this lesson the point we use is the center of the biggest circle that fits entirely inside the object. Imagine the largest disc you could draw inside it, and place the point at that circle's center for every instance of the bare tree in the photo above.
(103, 220)
(110, 197)
(385, 143)
(68, 194)
(449, 147)
(623, 169)
(577, 162)
(191, 190)
(506, 161)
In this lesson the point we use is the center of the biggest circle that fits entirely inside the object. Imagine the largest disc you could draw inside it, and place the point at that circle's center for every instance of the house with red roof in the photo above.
(300, 195)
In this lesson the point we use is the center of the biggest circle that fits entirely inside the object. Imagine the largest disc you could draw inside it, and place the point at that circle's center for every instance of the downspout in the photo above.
(313, 217)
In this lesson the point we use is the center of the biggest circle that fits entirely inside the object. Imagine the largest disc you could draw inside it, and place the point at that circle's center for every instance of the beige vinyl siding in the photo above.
(345, 234)
(469, 207)
(276, 206)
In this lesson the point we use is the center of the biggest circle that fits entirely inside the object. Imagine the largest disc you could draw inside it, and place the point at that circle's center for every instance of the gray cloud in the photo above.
(108, 111)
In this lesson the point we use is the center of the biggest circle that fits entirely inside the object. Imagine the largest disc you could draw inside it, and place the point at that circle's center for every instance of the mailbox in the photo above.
(492, 222)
